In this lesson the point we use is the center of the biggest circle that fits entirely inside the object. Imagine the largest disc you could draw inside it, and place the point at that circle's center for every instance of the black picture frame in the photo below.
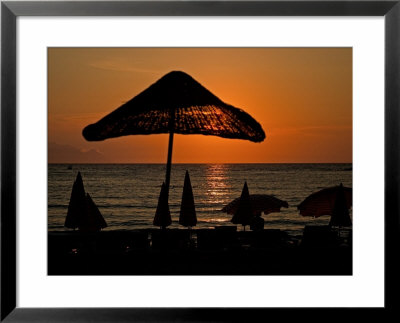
(11, 10)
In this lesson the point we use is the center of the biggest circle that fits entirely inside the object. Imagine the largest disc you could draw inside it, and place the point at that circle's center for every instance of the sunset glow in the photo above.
(302, 97)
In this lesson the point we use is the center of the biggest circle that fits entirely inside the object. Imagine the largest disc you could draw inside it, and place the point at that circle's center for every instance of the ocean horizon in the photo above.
(127, 194)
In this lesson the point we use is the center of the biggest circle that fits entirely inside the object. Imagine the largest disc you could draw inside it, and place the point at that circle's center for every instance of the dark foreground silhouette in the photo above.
(219, 251)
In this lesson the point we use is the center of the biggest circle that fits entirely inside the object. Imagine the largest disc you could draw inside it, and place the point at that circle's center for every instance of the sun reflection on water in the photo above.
(217, 188)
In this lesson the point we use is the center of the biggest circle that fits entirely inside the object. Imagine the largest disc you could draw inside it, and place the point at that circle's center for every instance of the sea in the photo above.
(127, 194)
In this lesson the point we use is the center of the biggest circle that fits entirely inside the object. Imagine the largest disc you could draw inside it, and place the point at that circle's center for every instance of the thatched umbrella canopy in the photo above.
(176, 103)
(187, 215)
(335, 201)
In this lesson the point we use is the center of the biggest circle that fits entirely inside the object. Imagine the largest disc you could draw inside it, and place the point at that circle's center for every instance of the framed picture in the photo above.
(196, 200)
(109, 184)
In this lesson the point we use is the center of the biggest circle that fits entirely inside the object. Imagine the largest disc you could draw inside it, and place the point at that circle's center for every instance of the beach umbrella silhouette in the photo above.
(82, 211)
(340, 214)
(244, 213)
(260, 203)
(162, 217)
(94, 220)
(77, 204)
(334, 201)
(176, 103)
(187, 216)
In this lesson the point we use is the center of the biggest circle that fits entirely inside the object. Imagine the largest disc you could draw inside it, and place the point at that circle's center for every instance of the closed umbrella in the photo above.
(77, 204)
(83, 213)
(176, 103)
(340, 214)
(187, 216)
(244, 213)
(162, 217)
(334, 201)
(95, 220)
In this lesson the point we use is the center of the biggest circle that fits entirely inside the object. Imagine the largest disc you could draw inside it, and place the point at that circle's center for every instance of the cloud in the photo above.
(67, 154)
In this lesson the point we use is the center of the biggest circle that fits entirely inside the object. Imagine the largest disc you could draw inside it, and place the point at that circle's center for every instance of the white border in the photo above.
(364, 288)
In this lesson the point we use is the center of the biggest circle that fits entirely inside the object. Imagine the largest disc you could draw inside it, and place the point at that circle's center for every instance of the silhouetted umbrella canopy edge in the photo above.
(196, 111)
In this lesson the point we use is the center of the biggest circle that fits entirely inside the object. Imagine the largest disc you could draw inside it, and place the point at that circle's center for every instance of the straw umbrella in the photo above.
(176, 103)
(187, 216)
(334, 201)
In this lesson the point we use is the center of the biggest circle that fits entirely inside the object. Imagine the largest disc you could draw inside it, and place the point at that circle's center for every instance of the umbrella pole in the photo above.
(170, 144)
(168, 172)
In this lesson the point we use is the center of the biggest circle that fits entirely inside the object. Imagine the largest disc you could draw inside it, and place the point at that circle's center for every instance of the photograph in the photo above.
(152, 149)
(200, 161)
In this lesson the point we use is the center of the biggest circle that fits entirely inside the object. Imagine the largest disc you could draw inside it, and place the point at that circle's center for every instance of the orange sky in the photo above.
(302, 97)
